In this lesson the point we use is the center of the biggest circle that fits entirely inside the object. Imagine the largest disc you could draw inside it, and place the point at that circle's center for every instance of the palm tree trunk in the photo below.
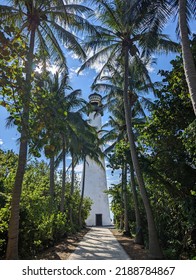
(188, 61)
(82, 195)
(139, 234)
(124, 187)
(154, 246)
(121, 224)
(13, 230)
(72, 189)
(62, 205)
(52, 178)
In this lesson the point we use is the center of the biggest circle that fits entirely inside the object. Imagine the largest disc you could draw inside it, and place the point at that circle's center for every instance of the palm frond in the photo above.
(103, 53)
(48, 40)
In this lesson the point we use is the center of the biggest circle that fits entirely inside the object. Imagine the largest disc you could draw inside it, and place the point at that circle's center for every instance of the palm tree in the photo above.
(62, 122)
(64, 129)
(113, 87)
(40, 21)
(90, 148)
(125, 34)
(139, 238)
(186, 10)
(189, 66)
(84, 142)
(118, 133)
(139, 84)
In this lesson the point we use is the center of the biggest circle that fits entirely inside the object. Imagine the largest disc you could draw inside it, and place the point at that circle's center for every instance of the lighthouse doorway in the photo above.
(99, 220)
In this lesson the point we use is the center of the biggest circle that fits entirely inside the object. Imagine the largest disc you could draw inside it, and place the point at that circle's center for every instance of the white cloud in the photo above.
(51, 68)
(74, 72)
(98, 64)
(79, 168)
(1, 142)
(150, 68)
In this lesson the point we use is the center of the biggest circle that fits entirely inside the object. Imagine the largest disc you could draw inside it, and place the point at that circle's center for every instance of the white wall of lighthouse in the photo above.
(95, 178)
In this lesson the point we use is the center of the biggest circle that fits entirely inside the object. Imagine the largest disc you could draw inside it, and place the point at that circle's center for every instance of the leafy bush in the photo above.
(41, 222)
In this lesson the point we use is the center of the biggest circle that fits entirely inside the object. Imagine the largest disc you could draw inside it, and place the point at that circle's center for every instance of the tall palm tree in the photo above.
(112, 85)
(84, 142)
(118, 133)
(90, 148)
(126, 33)
(64, 129)
(41, 21)
(139, 84)
(63, 121)
(139, 238)
(186, 11)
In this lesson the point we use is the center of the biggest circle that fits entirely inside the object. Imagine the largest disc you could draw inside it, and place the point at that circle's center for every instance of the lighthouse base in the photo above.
(95, 187)
(98, 220)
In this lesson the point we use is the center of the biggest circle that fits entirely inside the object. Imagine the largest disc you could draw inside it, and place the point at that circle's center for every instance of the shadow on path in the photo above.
(99, 244)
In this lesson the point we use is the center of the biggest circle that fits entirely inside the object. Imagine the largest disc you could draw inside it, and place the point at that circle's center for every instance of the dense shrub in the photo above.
(41, 222)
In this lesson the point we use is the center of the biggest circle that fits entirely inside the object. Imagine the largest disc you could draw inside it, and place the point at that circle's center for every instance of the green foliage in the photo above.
(166, 146)
(116, 203)
(40, 225)
(188, 140)
(117, 206)
(12, 61)
(168, 160)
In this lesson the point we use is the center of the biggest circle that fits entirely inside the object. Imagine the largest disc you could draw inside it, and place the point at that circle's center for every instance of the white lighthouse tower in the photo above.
(95, 176)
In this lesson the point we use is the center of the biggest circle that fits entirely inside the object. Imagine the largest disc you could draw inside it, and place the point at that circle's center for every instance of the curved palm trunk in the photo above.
(13, 230)
(62, 205)
(82, 195)
(154, 247)
(139, 234)
(188, 61)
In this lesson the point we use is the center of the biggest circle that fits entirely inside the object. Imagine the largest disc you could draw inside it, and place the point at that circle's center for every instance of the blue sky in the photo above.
(8, 137)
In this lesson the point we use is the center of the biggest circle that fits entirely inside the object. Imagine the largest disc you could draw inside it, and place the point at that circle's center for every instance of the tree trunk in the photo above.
(62, 205)
(124, 187)
(82, 195)
(188, 61)
(52, 178)
(154, 247)
(13, 230)
(139, 239)
(121, 224)
(72, 189)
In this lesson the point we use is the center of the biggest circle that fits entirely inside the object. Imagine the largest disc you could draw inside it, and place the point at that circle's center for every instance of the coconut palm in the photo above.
(118, 133)
(185, 9)
(90, 148)
(41, 21)
(139, 84)
(64, 121)
(126, 33)
(63, 126)
(84, 142)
